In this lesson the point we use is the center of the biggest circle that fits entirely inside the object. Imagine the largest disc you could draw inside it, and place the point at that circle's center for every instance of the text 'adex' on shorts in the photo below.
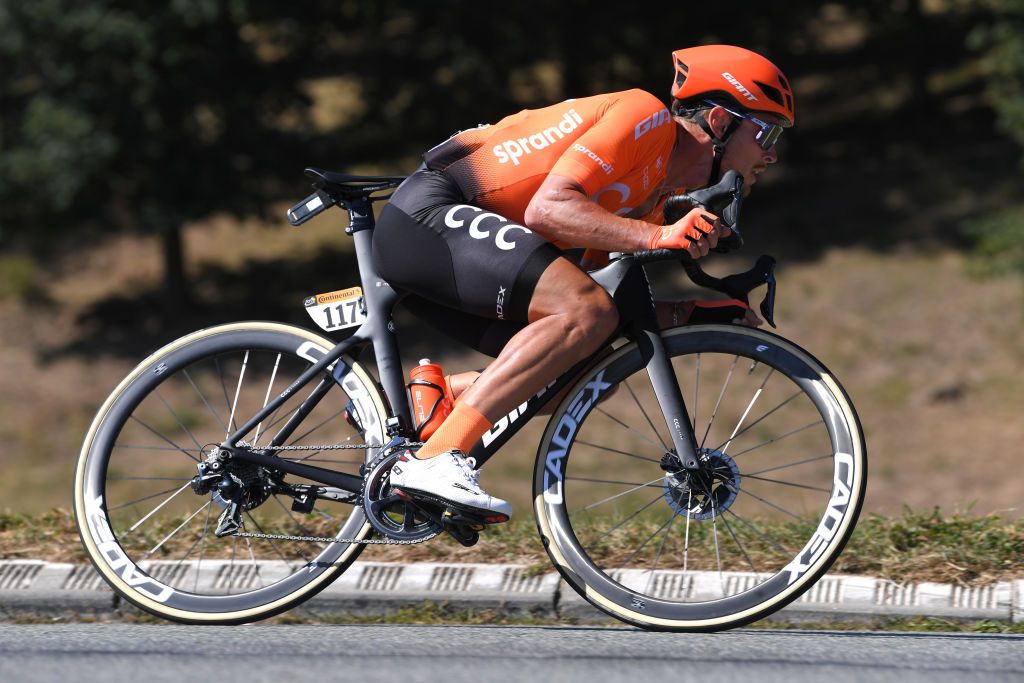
(511, 150)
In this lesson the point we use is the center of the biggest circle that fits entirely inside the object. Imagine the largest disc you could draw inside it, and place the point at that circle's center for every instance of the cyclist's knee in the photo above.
(590, 319)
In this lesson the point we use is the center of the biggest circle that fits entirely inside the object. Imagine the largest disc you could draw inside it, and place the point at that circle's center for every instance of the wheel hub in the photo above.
(705, 492)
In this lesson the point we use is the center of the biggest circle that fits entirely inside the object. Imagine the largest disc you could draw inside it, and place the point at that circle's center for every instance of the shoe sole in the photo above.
(424, 497)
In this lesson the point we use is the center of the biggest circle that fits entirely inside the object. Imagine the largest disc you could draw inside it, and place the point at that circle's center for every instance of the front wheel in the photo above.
(149, 530)
(777, 494)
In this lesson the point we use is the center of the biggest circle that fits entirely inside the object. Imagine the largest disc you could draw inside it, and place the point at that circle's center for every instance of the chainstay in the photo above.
(328, 539)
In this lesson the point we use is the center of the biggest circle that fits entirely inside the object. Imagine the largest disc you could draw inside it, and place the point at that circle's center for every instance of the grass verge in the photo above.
(914, 546)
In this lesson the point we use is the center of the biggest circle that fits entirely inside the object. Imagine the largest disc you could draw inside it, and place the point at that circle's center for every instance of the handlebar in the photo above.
(736, 286)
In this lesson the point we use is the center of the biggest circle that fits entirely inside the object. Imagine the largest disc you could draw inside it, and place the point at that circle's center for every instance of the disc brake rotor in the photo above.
(706, 492)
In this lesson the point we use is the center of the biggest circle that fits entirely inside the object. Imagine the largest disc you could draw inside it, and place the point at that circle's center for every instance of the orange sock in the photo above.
(460, 430)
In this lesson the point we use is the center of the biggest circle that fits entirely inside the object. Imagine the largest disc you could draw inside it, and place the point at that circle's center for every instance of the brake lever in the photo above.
(739, 285)
(724, 199)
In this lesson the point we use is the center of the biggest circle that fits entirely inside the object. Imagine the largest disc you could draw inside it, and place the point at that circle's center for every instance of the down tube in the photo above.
(507, 427)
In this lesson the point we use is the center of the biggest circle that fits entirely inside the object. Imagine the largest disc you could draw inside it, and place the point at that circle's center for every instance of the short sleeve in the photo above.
(611, 148)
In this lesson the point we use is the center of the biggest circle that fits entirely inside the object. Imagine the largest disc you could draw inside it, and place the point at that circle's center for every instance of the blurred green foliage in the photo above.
(1000, 235)
(144, 116)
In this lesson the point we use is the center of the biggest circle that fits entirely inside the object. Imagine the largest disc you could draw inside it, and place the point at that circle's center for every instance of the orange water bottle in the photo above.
(430, 406)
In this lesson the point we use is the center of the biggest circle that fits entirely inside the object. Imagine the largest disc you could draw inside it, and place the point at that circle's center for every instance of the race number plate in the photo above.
(337, 310)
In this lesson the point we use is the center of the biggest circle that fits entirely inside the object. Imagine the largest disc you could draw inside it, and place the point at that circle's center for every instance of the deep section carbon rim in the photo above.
(151, 535)
(777, 495)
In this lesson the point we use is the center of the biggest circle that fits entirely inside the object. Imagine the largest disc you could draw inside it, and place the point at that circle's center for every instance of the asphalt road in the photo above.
(150, 653)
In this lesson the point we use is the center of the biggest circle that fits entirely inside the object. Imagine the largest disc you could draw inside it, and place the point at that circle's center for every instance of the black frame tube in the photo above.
(625, 280)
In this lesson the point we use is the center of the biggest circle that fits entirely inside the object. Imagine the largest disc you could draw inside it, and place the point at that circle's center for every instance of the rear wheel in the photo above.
(147, 529)
(781, 482)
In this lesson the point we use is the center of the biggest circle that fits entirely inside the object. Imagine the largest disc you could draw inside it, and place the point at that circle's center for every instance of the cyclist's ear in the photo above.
(718, 118)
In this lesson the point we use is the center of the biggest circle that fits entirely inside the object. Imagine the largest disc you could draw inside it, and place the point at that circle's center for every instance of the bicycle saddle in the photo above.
(347, 186)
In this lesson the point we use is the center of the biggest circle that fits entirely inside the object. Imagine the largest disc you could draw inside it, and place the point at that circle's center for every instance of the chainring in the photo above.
(387, 513)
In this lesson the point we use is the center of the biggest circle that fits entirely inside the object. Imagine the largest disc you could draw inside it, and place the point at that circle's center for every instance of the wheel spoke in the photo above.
(646, 416)
(766, 502)
(635, 486)
(224, 388)
(758, 420)
(758, 532)
(792, 464)
(661, 548)
(718, 403)
(238, 390)
(176, 491)
(266, 399)
(298, 524)
(743, 550)
(647, 540)
(151, 512)
(787, 483)
(615, 450)
(188, 432)
(686, 536)
(617, 495)
(206, 403)
(273, 544)
(623, 424)
(750, 406)
(180, 527)
(148, 448)
(148, 479)
(779, 438)
(718, 554)
(255, 564)
(161, 436)
(202, 551)
(605, 534)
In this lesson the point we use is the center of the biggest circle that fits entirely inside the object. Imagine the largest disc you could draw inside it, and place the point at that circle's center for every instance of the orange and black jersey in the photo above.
(615, 146)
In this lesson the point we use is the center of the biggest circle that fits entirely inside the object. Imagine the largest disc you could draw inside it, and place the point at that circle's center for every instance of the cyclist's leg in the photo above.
(570, 316)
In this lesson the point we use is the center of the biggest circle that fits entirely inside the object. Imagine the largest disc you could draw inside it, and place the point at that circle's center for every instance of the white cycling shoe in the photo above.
(449, 478)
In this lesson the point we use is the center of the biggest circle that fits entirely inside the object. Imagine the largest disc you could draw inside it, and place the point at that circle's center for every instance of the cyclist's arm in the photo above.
(560, 211)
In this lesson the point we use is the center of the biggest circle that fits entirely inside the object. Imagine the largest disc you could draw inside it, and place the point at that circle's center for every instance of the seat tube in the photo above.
(380, 300)
(670, 397)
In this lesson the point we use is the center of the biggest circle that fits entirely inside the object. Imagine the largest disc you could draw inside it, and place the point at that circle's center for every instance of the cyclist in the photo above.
(478, 233)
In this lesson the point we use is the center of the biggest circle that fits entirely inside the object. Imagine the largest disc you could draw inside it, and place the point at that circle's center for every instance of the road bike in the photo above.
(694, 478)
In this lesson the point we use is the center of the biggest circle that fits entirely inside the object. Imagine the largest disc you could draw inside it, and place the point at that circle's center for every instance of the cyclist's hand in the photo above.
(697, 232)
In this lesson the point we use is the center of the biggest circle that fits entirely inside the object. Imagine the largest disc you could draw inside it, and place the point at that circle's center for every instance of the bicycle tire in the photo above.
(173, 403)
(582, 519)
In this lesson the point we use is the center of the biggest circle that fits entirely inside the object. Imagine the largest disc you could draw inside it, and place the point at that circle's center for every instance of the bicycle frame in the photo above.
(624, 279)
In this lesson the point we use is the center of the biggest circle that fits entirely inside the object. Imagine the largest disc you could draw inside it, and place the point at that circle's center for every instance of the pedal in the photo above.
(460, 526)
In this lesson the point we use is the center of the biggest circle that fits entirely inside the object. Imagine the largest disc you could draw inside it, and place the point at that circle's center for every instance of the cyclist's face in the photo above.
(745, 155)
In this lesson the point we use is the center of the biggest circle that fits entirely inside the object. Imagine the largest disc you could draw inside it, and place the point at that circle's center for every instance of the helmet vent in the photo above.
(789, 102)
(771, 92)
(784, 83)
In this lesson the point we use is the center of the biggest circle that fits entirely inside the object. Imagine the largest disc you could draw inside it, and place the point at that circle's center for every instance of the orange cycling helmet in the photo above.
(734, 77)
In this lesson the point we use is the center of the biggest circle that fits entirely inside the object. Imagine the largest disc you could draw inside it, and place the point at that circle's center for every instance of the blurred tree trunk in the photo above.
(175, 294)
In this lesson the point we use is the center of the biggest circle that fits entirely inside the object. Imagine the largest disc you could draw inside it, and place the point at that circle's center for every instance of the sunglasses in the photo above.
(768, 134)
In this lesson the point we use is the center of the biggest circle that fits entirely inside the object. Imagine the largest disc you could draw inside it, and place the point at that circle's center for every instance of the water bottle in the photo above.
(430, 406)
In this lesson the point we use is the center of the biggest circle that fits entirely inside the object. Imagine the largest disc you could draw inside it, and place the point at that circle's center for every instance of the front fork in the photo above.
(670, 397)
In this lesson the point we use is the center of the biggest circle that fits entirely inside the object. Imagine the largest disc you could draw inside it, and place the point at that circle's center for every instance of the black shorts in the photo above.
(431, 242)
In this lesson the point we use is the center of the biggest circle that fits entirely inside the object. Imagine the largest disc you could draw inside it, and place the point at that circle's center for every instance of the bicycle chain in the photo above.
(329, 539)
